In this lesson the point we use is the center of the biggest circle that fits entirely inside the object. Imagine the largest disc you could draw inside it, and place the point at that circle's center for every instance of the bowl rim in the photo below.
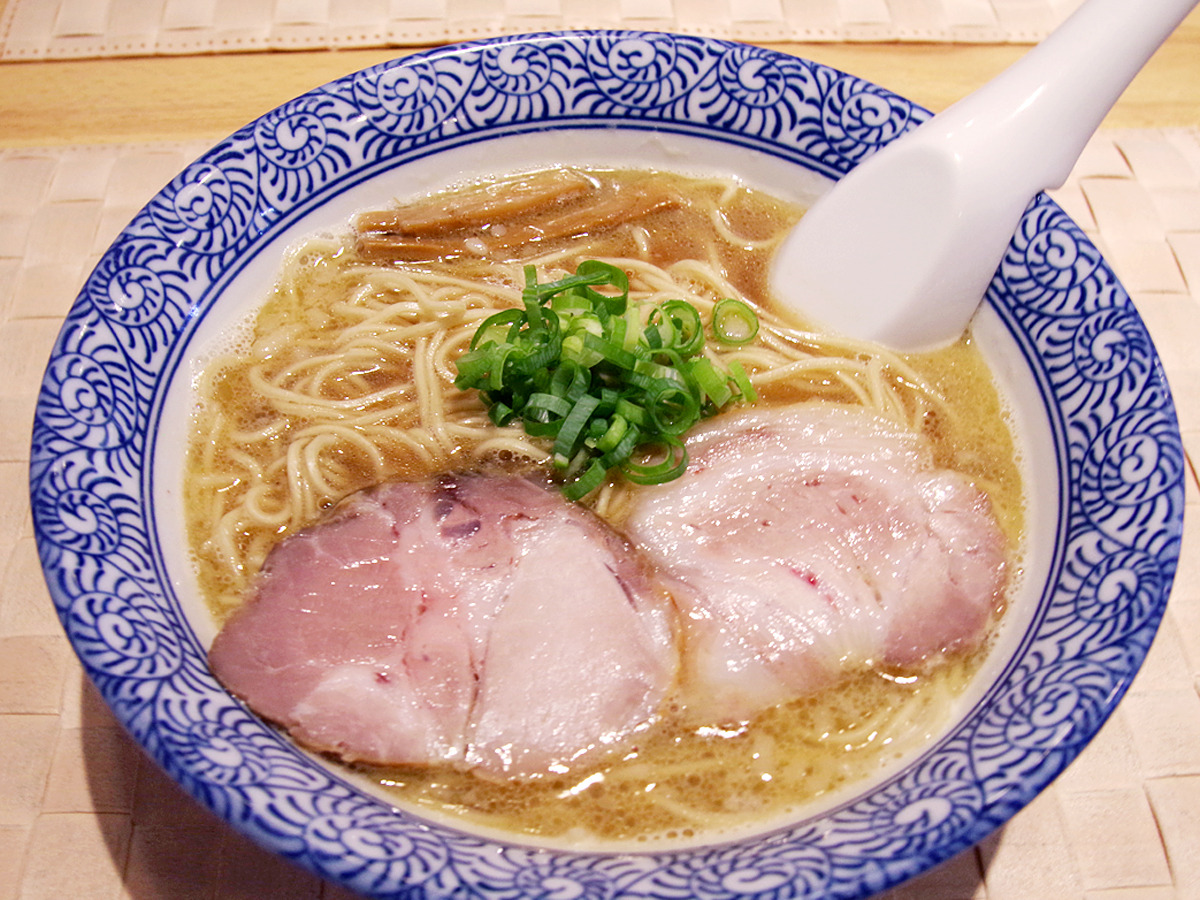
(124, 341)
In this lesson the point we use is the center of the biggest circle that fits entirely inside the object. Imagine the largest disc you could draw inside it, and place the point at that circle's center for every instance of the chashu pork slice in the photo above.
(808, 540)
(484, 622)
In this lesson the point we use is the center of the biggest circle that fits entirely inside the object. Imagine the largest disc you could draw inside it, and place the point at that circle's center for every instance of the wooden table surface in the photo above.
(180, 98)
(83, 815)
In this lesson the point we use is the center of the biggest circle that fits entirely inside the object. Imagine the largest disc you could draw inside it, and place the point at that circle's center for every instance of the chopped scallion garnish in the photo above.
(604, 377)
(733, 322)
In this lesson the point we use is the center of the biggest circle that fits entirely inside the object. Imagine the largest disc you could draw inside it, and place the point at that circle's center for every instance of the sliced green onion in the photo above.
(571, 431)
(673, 408)
(668, 469)
(612, 435)
(742, 380)
(733, 322)
(604, 378)
(501, 414)
(688, 328)
(570, 380)
(650, 373)
(543, 406)
(474, 366)
(624, 449)
(631, 411)
(591, 479)
(490, 329)
(610, 352)
(712, 383)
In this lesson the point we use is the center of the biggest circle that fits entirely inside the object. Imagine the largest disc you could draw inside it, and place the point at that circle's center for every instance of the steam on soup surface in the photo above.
(347, 383)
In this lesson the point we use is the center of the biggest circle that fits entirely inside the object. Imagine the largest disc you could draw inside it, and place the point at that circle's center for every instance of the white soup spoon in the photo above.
(901, 250)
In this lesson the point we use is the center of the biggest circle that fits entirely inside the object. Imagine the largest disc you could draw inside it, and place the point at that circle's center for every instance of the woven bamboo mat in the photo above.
(84, 815)
(57, 29)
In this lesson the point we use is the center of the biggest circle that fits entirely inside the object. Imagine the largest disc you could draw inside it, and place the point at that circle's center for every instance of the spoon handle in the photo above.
(1046, 106)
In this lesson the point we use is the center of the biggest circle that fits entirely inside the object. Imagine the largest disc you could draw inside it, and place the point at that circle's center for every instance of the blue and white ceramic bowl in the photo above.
(1099, 434)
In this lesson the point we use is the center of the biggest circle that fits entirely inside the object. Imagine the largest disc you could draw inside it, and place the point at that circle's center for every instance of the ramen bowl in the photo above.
(1103, 460)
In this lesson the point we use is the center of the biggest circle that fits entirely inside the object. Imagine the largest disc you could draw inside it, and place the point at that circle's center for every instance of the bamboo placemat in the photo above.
(84, 815)
(58, 29)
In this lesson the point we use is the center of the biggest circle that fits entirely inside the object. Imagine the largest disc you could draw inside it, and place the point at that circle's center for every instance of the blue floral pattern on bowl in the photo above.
(1114, 428)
